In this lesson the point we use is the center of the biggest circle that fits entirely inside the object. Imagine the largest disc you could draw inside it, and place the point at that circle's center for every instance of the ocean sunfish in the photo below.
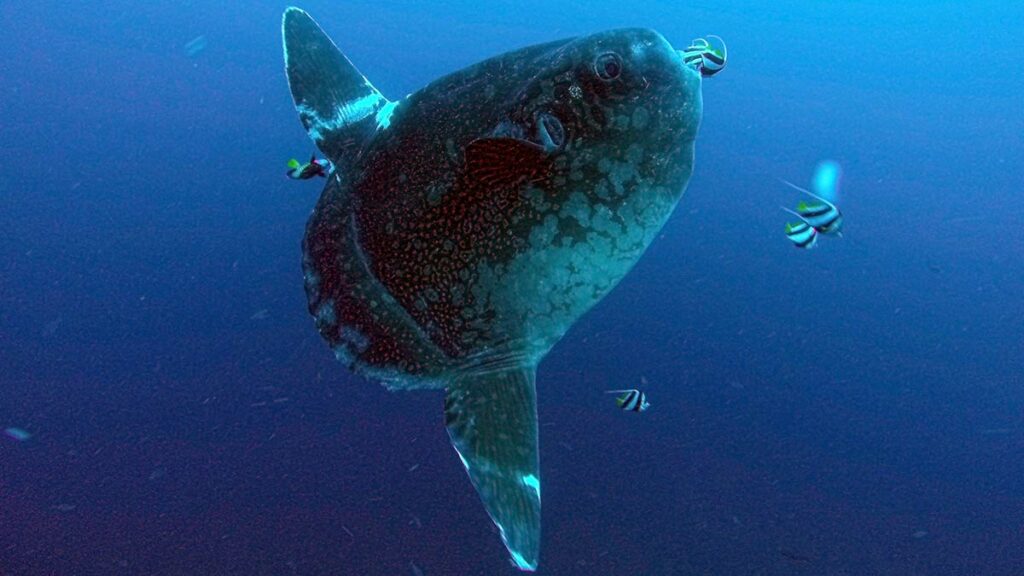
(468, 225)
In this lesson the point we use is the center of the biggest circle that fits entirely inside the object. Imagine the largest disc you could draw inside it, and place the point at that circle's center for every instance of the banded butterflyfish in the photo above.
(631, 400)
(820, 213)
(705, 58)
(801, 233)
(312, 169)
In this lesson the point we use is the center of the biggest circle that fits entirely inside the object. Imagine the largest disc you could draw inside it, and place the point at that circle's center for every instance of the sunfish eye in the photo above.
(608, 66)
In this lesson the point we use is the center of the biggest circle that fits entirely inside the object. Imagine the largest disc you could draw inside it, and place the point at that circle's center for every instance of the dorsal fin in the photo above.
(806, 191)
(336, 103)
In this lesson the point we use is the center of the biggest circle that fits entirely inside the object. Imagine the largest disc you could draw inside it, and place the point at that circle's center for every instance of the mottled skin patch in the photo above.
(490, 273)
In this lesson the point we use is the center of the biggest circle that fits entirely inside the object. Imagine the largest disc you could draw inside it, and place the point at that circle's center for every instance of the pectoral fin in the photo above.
(505, 163)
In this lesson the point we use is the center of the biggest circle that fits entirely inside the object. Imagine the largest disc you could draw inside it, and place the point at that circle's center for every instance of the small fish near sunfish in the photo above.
(823, 215)
(631, 400)
(818, 215)
(312, 169)
(801, 234)
(705, 58)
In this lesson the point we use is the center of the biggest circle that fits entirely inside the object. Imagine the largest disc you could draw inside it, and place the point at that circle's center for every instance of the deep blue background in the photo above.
(856, 409)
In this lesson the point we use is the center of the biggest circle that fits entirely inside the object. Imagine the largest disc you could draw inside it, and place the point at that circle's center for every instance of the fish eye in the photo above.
(608, 66)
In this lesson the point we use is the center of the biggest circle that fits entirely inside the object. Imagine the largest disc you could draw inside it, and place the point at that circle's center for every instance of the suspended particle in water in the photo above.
(195, 46)
(18, 434)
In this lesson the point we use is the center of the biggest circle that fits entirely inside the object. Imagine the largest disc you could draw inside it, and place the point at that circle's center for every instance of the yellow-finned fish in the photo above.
(312, 169)
(821, 211)
(631, 400)
(704, 57)
(801, 233)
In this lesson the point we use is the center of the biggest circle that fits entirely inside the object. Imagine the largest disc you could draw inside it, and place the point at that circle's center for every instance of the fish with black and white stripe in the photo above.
(631, 400)
(705, 58)
(818, 215)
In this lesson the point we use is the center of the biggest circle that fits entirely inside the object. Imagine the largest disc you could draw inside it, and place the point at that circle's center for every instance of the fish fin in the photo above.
(793, 226)
(312, 158)
(492, 421)
(336, 104)
(725, 49)
(803, 208)
(504, 162)
(794, 186)
(798, 215)
(806, 191)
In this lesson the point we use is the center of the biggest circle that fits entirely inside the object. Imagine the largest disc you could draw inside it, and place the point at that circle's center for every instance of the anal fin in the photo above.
(492, 421)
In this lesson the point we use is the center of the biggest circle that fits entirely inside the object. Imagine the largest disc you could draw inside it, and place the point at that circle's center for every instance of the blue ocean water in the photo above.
(855, 409)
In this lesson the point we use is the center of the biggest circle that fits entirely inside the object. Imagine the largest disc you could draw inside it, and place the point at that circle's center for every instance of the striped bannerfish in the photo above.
(704, 58)
(801, 234)
(312, 169)
(821, 214)
(632, 400)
